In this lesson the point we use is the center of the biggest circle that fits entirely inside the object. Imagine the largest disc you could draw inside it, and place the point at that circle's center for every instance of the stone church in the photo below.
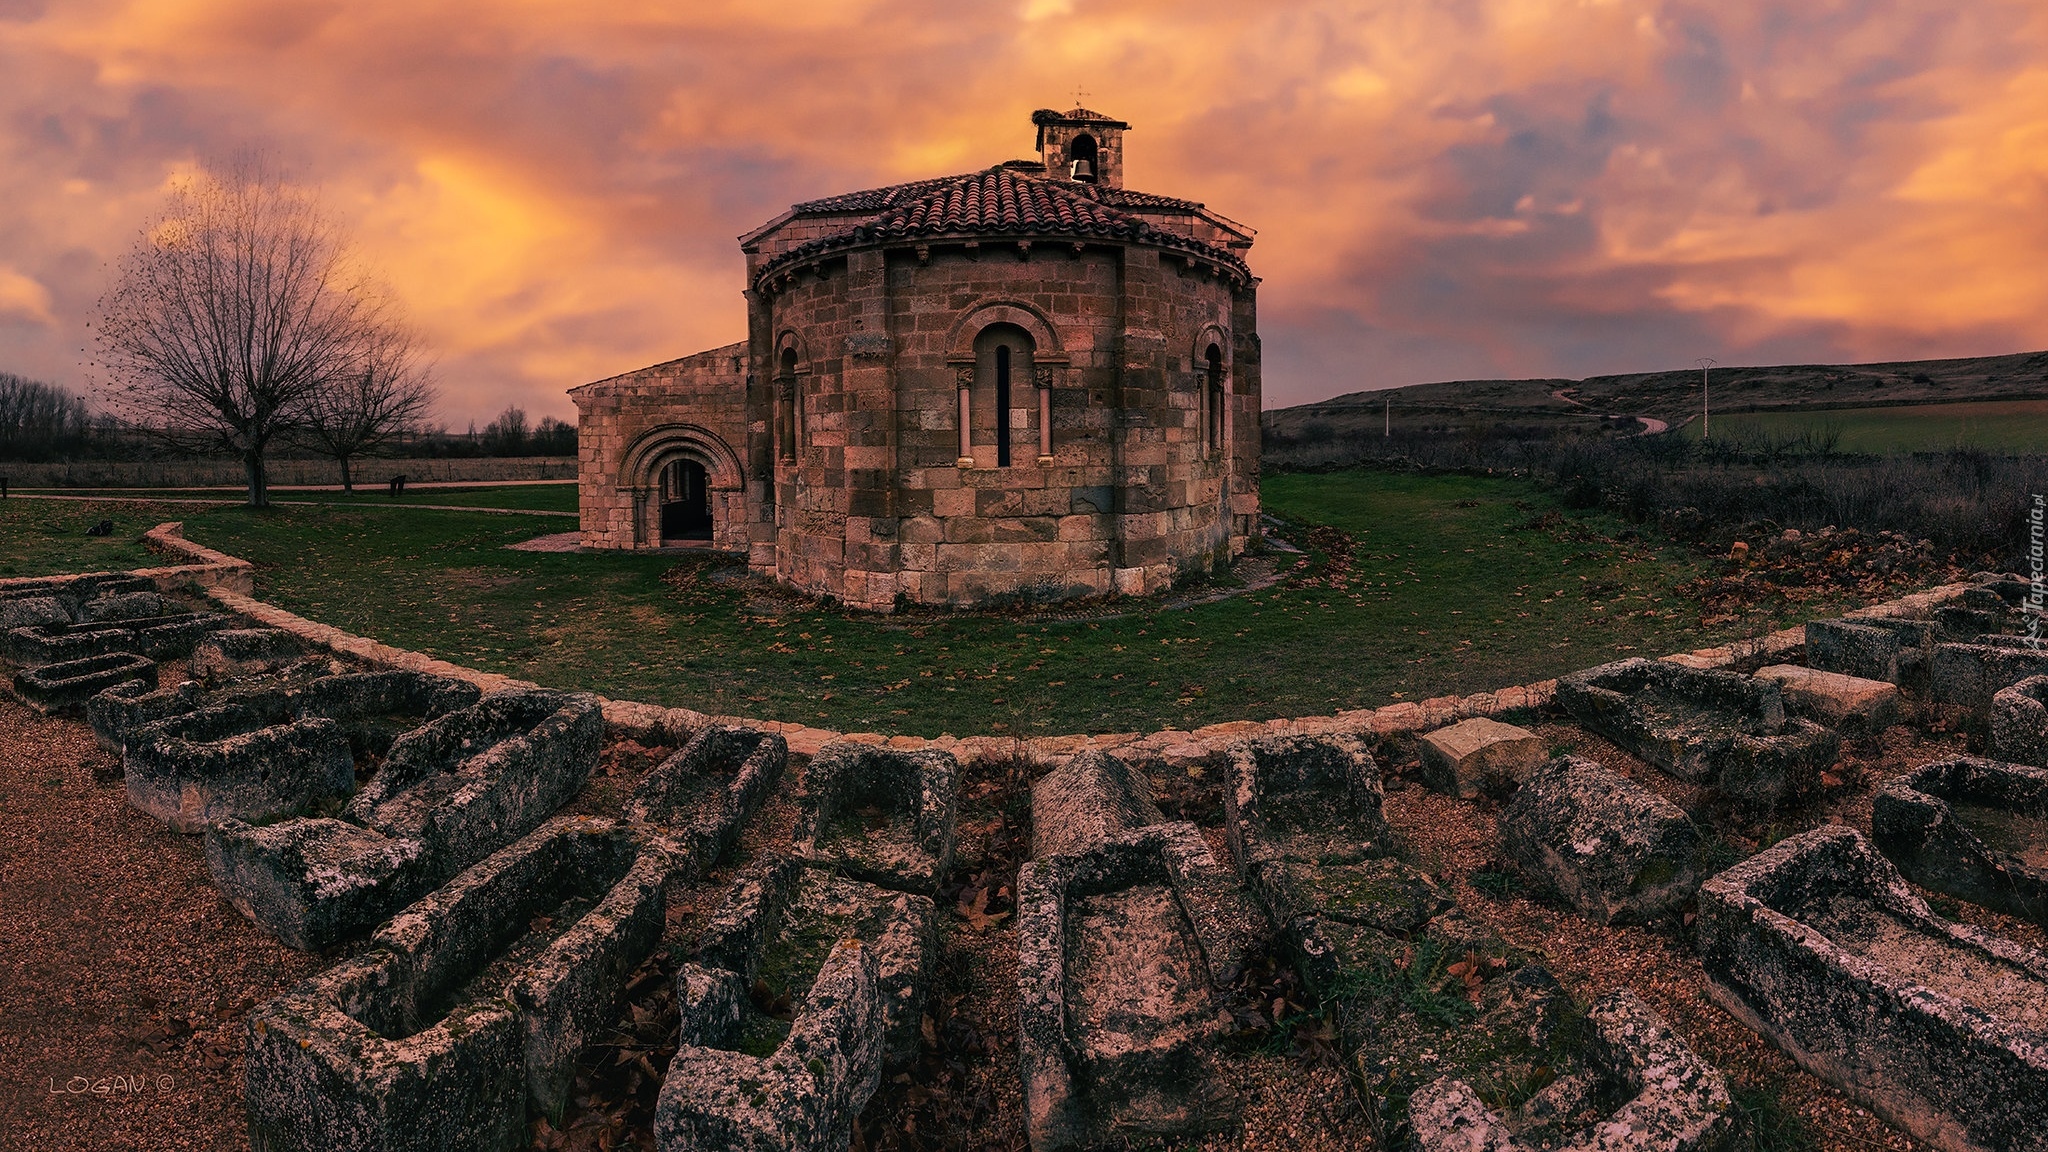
(1023, 384)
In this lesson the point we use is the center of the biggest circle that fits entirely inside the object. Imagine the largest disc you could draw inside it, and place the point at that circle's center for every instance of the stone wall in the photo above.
(878, 499)
(634, 425)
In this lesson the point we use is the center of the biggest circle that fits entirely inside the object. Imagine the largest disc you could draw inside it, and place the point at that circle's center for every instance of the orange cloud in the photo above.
(1441, 187)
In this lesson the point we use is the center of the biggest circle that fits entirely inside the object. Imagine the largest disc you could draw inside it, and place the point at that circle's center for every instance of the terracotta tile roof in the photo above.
(1001, 201)
(873, 199)
(1125, 198)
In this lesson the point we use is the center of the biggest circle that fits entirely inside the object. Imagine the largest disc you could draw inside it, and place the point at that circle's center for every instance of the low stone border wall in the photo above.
(348, 643)
(208, 568)
(677, 725)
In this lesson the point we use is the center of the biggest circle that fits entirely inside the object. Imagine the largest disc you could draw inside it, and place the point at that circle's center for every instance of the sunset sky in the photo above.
(1441, 188)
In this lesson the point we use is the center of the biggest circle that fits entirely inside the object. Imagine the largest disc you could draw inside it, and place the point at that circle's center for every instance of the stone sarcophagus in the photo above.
(804, 987)
(261, 754)
(1972, 828)
(1087, 800)
(1614, 850)
(2019, 722)
(705, 793)
(448, 794)
(1704, 726)
(158, 637)
(1669, 1099)
(879, 815)
(1302, 814)
(1123, 950)
(1942, 1029)
(468, 1009)
(1970, 675)
(245, 760)
(56, 687)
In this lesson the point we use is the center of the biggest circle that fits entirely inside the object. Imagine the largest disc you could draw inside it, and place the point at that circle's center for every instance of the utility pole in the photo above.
(1390, 418)
(1705, 363)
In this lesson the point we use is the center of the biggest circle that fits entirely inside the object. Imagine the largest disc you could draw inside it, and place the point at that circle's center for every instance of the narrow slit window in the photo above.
(1212, 432)
(1002, 405)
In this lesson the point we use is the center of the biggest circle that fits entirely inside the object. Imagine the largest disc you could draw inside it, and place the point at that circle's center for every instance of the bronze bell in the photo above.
(1083, 171)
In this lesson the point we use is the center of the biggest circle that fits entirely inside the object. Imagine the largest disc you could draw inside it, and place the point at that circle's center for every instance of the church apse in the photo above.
(1024, 384)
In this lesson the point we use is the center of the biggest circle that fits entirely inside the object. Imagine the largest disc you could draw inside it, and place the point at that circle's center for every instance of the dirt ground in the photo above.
(123, 974)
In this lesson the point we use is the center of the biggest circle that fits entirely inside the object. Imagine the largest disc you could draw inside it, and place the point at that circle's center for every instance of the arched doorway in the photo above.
(685, 502)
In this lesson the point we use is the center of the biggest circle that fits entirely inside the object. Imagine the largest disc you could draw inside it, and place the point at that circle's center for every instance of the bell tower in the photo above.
(1083, 146)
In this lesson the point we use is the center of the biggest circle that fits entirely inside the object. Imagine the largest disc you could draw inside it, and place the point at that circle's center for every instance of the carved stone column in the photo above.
(964, 377)
(1044, 374)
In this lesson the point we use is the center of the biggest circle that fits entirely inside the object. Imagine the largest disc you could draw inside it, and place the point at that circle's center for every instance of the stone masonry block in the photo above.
(1479, 756)
(1840, 701)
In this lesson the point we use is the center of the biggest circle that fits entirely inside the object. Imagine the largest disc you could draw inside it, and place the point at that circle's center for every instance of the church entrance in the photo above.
(685, 502)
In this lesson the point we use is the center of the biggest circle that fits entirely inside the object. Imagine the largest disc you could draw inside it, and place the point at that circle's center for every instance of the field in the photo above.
(1412, 587)
(1996, 425)
(552, 496)
(190, 473)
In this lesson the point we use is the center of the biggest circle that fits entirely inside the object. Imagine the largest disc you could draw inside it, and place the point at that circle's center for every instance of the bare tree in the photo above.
(388, 390)
(39, 421)
(237, 304)
(506, 435)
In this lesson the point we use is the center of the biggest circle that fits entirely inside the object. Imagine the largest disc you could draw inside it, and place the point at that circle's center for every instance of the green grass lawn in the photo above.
(1451, 585)
(1999, 425)
(38, 537)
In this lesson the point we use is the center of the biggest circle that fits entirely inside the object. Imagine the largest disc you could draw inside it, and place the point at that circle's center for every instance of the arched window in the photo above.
(1212, 407)
(1002, 357)
(1083, 158)
(787, 405)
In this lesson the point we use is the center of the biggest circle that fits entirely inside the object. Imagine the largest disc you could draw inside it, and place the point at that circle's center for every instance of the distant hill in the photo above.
(1674, 396)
